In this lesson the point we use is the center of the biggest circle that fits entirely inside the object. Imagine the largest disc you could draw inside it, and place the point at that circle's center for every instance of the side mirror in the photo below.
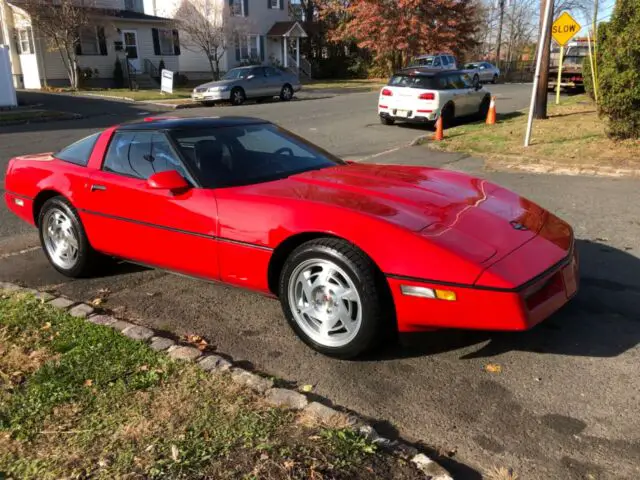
(170, 180)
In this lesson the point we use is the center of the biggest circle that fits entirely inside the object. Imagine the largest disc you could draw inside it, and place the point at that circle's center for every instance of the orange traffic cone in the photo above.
(491, 116)
(439, 130)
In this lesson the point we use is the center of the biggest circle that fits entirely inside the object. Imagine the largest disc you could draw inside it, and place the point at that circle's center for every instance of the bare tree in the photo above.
(60, 23)
(208, 28)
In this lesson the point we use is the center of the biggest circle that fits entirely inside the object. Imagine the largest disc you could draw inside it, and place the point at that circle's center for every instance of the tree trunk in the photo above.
(214, 70)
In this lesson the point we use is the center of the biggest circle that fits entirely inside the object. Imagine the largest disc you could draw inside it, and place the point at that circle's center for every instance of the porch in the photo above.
(283, 47)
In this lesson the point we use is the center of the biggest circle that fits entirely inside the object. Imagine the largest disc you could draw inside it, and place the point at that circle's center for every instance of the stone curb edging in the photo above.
(275, 396)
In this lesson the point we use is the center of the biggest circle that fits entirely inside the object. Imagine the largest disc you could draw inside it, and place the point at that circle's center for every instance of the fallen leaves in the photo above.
(88, 382)
(175, 453)
(493, 368)
(307, 388)
(197, 341)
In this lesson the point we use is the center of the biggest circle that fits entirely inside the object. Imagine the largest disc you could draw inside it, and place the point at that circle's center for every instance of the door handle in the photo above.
(97, 187)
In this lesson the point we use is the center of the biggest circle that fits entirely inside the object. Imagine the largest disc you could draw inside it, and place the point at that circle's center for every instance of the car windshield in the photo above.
(471, 65)
(413, 81)
(422, 61)
(249, 154)
(236, 73)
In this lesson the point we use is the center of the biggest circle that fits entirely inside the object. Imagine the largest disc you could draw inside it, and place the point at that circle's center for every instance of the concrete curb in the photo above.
(26, 121)
(279, 397)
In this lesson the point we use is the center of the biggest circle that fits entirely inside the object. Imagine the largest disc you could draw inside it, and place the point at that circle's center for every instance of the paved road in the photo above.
(566, 403)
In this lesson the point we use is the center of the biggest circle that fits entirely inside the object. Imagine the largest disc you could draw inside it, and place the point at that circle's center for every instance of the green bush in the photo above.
(587, 77)
(619, 70)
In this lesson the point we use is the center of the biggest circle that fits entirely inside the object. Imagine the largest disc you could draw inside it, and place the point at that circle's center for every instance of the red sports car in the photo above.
(348, 248)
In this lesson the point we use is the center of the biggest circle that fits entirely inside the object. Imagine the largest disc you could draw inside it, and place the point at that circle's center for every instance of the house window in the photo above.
(89, 43)
(237, 8)
(166, 42)
(24, 41)
(275, 3)
(249, 47)
(134, 5)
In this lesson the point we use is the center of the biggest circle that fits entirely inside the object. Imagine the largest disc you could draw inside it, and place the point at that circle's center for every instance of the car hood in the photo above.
(467, 215)
(219, 83)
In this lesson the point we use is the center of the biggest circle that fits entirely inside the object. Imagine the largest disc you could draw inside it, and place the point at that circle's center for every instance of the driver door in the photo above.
(126, 218)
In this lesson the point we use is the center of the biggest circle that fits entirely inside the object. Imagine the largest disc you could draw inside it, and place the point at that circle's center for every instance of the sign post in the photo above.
(563, 30)
(166, 83)
(559, 76)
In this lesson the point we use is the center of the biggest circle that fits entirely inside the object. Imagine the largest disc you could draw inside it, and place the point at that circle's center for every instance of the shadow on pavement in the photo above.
(602, 321)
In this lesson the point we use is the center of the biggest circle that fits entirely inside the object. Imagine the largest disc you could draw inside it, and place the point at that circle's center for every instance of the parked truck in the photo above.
(571, 76)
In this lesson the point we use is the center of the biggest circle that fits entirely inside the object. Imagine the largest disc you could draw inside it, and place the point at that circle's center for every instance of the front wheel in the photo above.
(330, 298)
(286, 93)
(495, 79)
(64, 240)
(476, 80)
(237, 96)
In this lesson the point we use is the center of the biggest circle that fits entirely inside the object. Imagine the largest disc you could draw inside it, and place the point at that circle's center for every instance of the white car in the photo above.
(420, 95)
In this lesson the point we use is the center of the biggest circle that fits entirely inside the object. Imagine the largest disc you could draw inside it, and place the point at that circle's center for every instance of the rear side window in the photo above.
(80, 151)
(413, 81)
(445, 61)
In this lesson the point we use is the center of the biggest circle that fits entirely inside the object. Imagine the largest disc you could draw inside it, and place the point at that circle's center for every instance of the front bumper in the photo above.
(486, 308)
(210, 96)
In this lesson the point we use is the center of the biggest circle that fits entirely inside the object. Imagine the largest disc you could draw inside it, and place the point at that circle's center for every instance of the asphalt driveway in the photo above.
(565, 405)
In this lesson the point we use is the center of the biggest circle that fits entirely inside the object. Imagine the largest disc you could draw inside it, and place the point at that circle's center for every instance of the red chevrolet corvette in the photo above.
(349, 249)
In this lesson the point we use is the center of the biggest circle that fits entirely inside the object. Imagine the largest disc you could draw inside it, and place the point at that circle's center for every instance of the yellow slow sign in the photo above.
(564, 29)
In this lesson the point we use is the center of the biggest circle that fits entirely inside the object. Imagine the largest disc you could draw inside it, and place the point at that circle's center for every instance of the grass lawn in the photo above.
(141, 95)
(572, 137)
(13, 116)
(78, 400)
(373, 84)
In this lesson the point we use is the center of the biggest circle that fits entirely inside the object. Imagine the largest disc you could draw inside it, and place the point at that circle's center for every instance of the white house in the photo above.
(139, 34)
(269, 34)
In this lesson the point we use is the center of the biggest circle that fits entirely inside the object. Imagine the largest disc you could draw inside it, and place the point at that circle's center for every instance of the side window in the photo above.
(272, 72)
(443, 83)
(80, 151)
(258, 72)
(445, 60)
(129, 154)
(452, 60)
(436, 62)
(163, 157)
(466, 81)
(455, 82)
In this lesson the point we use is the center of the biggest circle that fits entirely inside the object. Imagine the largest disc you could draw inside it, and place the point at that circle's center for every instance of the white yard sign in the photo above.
(166, 83)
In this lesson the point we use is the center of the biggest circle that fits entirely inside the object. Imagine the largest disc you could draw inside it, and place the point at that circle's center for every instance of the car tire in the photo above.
(286, 93)
(495, 79)
(447, 116)
(60, 226)
(238, 96)
(483, 111)
(354, 323)
(387, 121)
(476, 80)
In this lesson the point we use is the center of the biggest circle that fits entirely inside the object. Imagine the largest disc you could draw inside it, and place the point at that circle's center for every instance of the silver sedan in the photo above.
(482, 72)
(242, 83)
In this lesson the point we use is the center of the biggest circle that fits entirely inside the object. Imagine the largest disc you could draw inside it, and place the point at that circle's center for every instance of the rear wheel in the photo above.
(483, 111)
(495, 79)
(447, 116)
(387, 121)
(476, 80)
(330, 298)
(64, 240)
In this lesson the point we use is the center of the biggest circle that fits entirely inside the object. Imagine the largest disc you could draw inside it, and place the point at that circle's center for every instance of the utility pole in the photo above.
(500, 33)
(543, 82)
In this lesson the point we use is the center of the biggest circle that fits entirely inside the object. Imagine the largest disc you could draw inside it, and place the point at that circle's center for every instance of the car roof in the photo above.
(175, 123)
(426, 72)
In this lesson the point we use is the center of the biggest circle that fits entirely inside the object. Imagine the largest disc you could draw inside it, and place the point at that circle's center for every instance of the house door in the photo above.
(130, 43)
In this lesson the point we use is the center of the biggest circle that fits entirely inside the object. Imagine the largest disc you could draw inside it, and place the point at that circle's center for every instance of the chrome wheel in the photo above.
(237, 97)
(325, 302)
(60, 238)
(287, 93)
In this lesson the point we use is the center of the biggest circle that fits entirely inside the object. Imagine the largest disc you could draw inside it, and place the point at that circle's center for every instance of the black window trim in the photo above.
(192, 178)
